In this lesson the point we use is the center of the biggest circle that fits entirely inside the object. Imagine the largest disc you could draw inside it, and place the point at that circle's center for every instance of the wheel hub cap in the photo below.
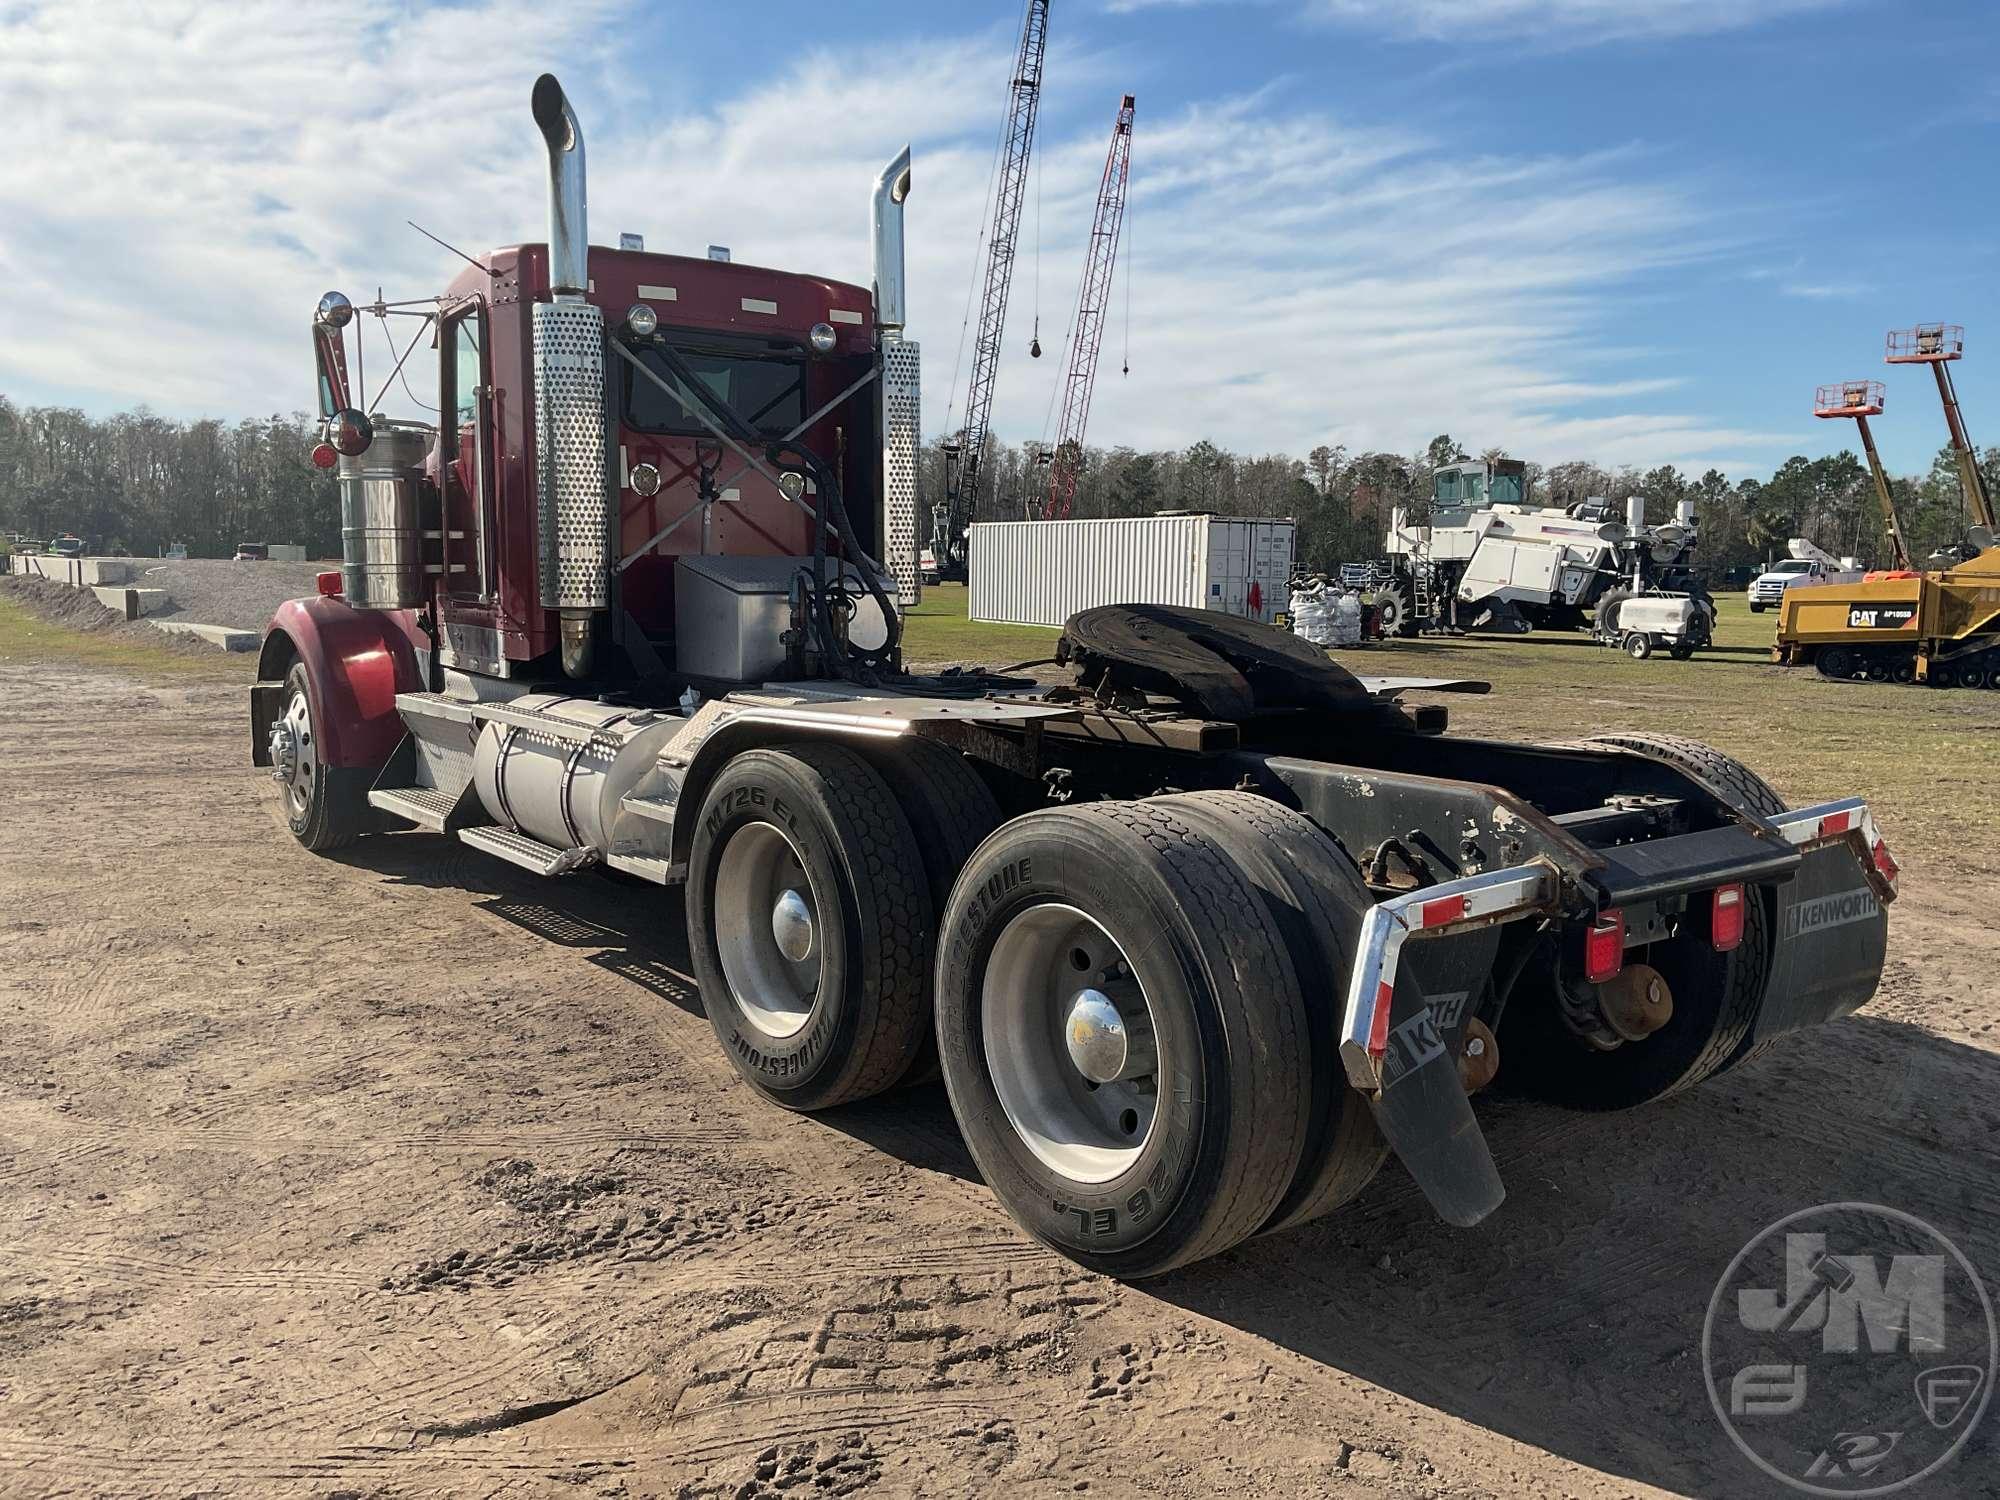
(284, 751)
(792, 927)
(1095, 1032)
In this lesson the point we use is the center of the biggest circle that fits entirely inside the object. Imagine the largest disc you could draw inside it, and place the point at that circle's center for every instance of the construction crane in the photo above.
(963, 457)
(1860, 400)
(1093, 301)
(1937, 345)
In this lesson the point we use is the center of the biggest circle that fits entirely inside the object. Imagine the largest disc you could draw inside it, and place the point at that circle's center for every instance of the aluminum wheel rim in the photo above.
(296, 724)
(1043, 960)
(760, 884)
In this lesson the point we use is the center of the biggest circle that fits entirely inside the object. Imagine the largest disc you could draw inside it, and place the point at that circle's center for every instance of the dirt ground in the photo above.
(405, 1173)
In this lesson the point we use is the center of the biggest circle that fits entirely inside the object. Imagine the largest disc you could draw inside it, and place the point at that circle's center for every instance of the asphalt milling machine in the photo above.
(1196, 938)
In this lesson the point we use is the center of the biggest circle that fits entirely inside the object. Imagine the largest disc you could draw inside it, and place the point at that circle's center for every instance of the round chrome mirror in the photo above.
(350, 431)
(646, 479)
(334, 310)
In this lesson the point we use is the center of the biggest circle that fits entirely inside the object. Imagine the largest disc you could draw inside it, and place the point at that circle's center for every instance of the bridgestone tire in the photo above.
(874, 918)
(1317, 899)
(336, 810)
(1716, 995)
(950, 808)
(1232, 1096)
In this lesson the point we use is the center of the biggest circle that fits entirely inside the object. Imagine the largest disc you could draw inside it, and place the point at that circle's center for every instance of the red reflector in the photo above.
(324, 456)
(1604, 947)
(1445, 909)
(328, 584)
(1885, 863)
(1834, 823)
(1378, 1025)
(1725, 918)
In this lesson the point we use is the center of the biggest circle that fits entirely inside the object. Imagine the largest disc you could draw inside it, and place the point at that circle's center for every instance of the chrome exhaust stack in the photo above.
(569, 215)
(576, 505)
(901, 384)
(891, 188)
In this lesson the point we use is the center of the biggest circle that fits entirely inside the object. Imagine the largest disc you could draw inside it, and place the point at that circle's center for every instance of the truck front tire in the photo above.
(1122, 1036)
(808, 924)
(326, 806)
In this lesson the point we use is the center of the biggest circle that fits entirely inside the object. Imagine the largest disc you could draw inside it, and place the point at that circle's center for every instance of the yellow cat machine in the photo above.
(1940, 626)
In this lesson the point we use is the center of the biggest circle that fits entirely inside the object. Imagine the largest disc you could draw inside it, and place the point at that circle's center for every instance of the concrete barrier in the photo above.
(224, 636)
(77, 572)
(143, 601)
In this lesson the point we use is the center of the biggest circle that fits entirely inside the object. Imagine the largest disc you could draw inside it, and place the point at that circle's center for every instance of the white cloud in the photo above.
(1549, 22)
(182, 189)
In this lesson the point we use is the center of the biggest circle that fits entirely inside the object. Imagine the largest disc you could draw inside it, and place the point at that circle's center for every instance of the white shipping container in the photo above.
(1042, 572)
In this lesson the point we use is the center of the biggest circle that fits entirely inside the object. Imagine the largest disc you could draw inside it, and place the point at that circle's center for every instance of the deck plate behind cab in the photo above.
(1217, 665)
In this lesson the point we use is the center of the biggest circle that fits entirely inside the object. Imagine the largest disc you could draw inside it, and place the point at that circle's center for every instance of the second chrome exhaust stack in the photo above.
(891, 188)
(569, 217)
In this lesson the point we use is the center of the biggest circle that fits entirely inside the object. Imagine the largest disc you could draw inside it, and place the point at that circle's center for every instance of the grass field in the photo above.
(27, 638)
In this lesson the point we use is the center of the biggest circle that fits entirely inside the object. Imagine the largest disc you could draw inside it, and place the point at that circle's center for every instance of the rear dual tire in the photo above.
(1185, 935)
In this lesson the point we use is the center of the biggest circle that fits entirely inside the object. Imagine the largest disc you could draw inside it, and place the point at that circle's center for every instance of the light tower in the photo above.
(1937, 345)
(1860, 400)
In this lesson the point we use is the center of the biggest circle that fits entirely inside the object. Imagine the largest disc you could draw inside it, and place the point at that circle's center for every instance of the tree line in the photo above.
(140, 482)
(1342, 501)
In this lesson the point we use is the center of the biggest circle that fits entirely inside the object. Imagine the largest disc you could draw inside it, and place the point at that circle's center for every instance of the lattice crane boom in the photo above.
(1093, 303)
(1024, 104)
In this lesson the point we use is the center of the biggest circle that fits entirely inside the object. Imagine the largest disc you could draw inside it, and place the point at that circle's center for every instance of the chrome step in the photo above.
(645, 867)
(656, 808)
(517, 848)
(422, 805)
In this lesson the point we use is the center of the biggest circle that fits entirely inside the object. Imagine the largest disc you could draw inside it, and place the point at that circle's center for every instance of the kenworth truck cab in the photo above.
(1195, 937)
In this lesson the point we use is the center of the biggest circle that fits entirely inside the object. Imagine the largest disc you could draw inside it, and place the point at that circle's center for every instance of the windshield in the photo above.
(767, 393)
(1793, 567)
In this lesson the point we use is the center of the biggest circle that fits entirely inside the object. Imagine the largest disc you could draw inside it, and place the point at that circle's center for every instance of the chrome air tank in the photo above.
(564, 786)
(381, 519)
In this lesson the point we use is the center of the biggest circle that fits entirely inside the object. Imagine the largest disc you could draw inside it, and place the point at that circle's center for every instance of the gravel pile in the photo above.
(78, 609)
(238, 594)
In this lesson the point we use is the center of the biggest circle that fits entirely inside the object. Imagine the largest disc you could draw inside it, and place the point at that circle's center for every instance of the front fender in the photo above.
(356, 662)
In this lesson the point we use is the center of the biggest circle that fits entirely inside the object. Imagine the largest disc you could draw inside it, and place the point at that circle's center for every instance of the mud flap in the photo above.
(1827, 947)
(1422, 1108)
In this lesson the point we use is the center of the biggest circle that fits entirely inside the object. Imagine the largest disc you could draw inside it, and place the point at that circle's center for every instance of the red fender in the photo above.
(357, 660)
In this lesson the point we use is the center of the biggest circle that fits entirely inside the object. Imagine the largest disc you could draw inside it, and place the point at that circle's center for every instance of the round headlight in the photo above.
(792, 485)
(646, 479)
(335, 311)
(822, 338)
(641, 319)
(350, 431)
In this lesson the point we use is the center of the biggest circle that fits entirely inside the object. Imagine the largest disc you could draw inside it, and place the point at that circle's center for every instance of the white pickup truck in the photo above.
(1807, 567)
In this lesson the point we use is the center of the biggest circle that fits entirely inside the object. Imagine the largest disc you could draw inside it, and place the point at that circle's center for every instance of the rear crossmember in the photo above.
(1534, 890)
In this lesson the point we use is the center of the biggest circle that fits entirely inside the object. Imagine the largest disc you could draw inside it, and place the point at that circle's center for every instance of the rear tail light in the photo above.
(1725, 918)
(328, 584)
(1604, 946)
(1885, 863)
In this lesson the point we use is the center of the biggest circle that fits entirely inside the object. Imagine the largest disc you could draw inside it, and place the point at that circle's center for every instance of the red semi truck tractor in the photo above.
(1195, 938)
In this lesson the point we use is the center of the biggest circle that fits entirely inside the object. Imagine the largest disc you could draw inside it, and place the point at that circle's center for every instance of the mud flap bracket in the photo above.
(1396, 1054)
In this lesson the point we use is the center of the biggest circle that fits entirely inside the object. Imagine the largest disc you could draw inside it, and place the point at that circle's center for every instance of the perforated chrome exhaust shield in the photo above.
(901, 413)
(572, 471)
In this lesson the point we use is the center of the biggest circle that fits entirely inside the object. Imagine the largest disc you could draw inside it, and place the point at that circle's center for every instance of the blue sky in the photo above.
(1634, 232)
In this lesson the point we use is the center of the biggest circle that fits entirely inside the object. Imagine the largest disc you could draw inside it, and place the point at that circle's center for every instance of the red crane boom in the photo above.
(1093, 301)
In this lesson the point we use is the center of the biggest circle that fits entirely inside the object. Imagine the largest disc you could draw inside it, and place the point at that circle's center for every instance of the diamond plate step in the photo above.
(530, 854)
(420, 804)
